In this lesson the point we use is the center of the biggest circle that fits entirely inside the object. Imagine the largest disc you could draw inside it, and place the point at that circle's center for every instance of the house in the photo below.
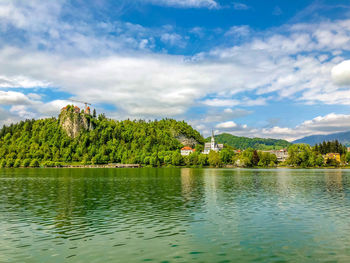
(334, 156)
(281, 155)
(212, 145)
(187, 150)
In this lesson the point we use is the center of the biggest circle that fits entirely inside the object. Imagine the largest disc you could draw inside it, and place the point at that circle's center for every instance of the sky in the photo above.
(272, 69)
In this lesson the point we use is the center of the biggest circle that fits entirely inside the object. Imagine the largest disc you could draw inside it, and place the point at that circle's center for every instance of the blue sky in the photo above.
(252, 68)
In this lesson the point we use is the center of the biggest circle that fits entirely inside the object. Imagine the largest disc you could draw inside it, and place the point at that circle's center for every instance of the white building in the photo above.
(187, 150)
(281, 155)
(212, 146)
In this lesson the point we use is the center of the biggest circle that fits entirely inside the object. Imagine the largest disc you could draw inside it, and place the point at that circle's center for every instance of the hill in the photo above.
(79, 137)
(255, 143)
(342, 137)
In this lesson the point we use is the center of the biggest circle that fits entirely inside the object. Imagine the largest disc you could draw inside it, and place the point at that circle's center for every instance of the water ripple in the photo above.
(174, 215)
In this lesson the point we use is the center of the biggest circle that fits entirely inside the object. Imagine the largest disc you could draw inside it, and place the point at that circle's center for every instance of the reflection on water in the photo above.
(174, 215)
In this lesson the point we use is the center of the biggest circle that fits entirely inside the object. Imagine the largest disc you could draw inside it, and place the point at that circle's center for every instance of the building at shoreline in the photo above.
(187, 151)
(281, 155)
(212, 145)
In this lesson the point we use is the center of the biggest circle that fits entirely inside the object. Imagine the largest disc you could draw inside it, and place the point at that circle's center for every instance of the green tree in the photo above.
(214, 159)
(10, 163)
(226, 155)
(176, 159)
(25, 163)
(203, 159)
(3, 163)
(17, 163)
(255, 158)
(34, 163)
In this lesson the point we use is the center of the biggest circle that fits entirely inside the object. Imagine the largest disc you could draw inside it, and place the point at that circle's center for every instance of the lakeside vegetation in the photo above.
(35, 143)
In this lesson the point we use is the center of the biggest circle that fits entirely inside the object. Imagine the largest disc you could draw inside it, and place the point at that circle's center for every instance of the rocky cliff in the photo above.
(187, 141)
(73, 121)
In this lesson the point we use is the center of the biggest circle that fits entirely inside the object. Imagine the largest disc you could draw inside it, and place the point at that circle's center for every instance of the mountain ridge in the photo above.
(342, 137)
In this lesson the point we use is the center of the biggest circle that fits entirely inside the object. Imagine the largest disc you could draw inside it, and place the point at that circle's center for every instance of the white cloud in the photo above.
(22, 111)
(341, 73)
(238, 31)
(16, 81)
(13, 98)
(7, 117)
(213, 115)
(330, 123)
(186, 3)
(234, 102)
(226, 125)
(34, 96)
(172, 39)
(240, 6)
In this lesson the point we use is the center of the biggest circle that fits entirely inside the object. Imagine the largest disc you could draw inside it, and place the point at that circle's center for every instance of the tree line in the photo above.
(303, 155)
(33, 143)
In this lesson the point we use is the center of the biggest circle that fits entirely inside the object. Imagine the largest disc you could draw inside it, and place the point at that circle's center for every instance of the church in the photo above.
(212, 146)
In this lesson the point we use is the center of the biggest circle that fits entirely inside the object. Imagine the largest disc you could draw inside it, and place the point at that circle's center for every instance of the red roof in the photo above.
(187, 148)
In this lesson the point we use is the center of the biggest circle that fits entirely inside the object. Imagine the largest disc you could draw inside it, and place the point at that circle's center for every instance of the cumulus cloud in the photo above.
(7, 117)
(341, 73)
(226, 125)
(118, 66)
(233, 102)
(330, 123)
(13, 98)
(15, 81)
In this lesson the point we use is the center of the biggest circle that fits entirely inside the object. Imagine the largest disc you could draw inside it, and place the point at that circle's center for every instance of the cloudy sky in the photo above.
(274, 68)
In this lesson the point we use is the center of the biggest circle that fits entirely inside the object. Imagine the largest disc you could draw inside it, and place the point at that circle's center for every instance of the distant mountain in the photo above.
(255, 143)
(342, 137)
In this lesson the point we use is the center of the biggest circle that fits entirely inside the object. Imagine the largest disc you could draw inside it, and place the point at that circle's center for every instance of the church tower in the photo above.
(212, 145)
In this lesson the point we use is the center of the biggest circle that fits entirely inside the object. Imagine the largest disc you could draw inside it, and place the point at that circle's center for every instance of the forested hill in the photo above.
(255, 143)
(97, 140)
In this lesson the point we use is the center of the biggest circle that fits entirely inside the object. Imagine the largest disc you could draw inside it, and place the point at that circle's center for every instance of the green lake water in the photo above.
(174, 215)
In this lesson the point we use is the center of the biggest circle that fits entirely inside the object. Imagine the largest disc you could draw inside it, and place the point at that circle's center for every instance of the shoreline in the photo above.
(138, 166)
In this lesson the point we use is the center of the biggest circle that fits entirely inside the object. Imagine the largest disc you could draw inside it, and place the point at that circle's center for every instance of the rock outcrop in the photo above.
(187, 141)
(74, 122)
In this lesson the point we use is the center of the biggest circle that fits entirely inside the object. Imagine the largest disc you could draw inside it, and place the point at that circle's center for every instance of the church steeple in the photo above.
(212, 140)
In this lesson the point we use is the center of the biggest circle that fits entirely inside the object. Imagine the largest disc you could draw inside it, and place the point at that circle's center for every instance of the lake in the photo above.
(174, 215)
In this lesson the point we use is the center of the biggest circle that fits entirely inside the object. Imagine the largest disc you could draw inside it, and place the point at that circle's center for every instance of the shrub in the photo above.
(49, 164)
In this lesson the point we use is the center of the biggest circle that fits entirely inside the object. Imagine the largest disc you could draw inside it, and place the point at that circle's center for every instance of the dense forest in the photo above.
(44, 142)
(255, 143)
